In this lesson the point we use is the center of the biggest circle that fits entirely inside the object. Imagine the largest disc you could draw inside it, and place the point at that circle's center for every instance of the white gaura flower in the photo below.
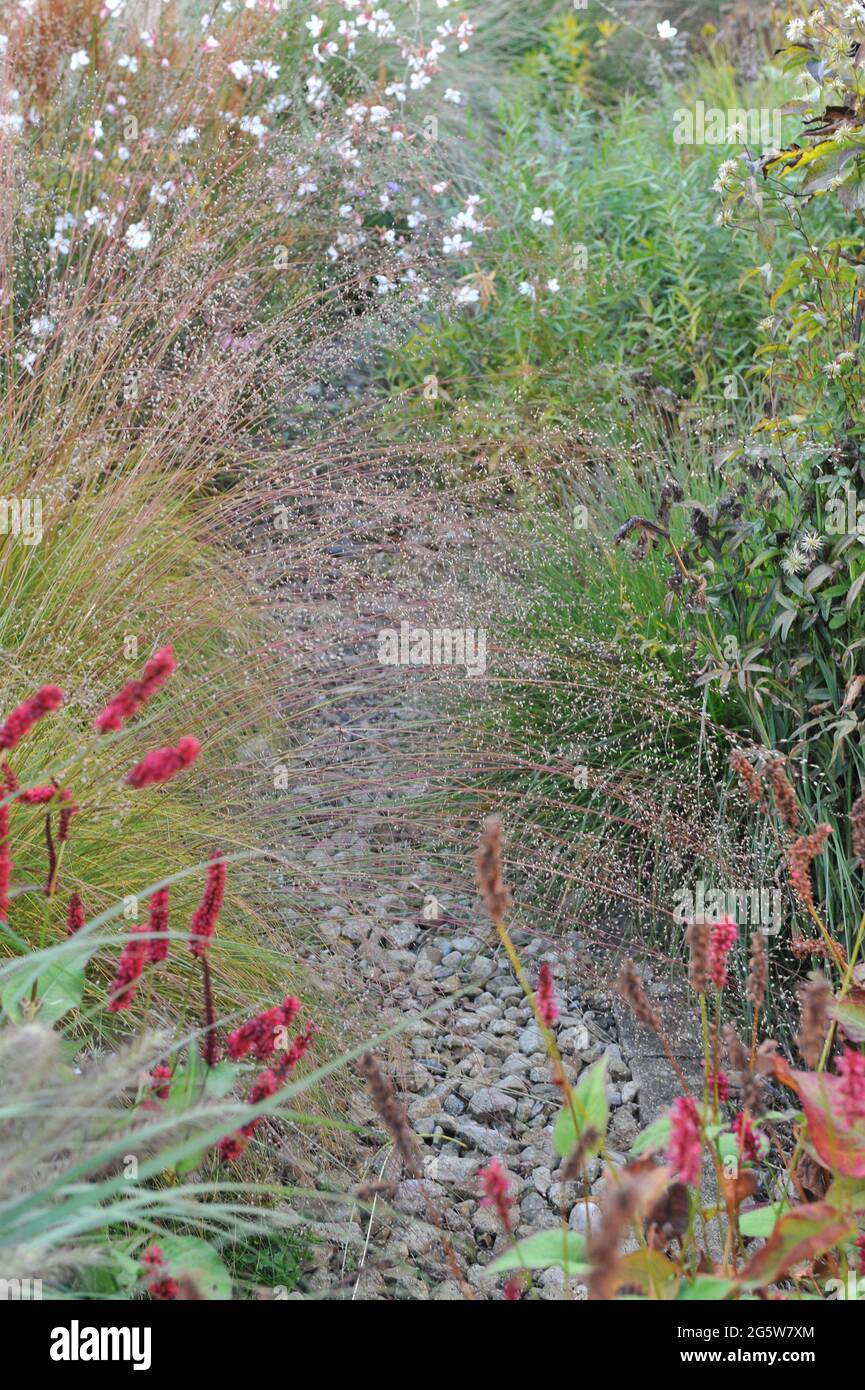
(553, 285)
(543, 216)
(253, 125)
(41, 327)
(123, 153)
(453, 96)
(79, 60)
(455, 245)
(383, 285)
(266, 69)
(128, 62)
(138, 236)
(240, 71)
(467, 294)
(315, 25)
(666, 30)
(527, 289)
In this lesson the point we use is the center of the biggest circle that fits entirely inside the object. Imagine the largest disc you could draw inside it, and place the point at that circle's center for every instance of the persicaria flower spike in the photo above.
(721, 943)
(129, 969)
(74, 915)
(850, 1092)
(496, 1189)
(157, 949)
(136, 692)
(161, 764)
(267, 1085)
(22, 719)
(262, 1033)
(204, 918)
(37, 796)
(545, 996)
(749, 1145)
(685, 1147)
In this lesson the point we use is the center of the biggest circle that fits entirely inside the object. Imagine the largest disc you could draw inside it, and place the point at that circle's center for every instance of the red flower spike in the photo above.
(22, 719)
(74, 915)
(129, 969)
(157, 950)
(161, 764)
(496, 1189)
(204, 918)
(723, 936)
(545, 996)
(685, 1146)
(136, 692)
(262, 1032)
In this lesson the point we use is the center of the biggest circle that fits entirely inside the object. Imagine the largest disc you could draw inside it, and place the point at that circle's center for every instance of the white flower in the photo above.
(543, 216)
(210, 43)
(241, 71)
(666, 30)
(553, 285)
(78, 60)
(467, 294)
(314, 25)
(27, 360)
(383, 285)
(137, 237)
(726, 170)
(11, 122)
(268, 70)
(453, 96)
(42, 327)
(796, 30)
(125, 61)
(377, 114)
(253, 125)
(114, 6)
(123, 153)
(455, 245)
(526, 289)
(187, 136)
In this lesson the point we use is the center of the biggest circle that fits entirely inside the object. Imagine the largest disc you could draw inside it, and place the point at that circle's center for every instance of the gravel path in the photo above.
(471, 1068)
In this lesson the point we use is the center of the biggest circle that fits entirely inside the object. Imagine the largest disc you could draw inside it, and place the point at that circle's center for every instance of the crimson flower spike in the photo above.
(161, 764)
(136, 693)
(22, 719)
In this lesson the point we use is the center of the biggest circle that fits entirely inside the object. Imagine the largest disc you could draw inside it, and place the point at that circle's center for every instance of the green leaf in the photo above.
(58, 989)
(190, 1257)
(589, 1110)
(655, 1136)
(707, 1288)
(851, 1017)
(543, 1250)
(760, 1221)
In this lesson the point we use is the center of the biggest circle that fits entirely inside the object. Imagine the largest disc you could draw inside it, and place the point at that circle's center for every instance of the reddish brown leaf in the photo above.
(798, 1238)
